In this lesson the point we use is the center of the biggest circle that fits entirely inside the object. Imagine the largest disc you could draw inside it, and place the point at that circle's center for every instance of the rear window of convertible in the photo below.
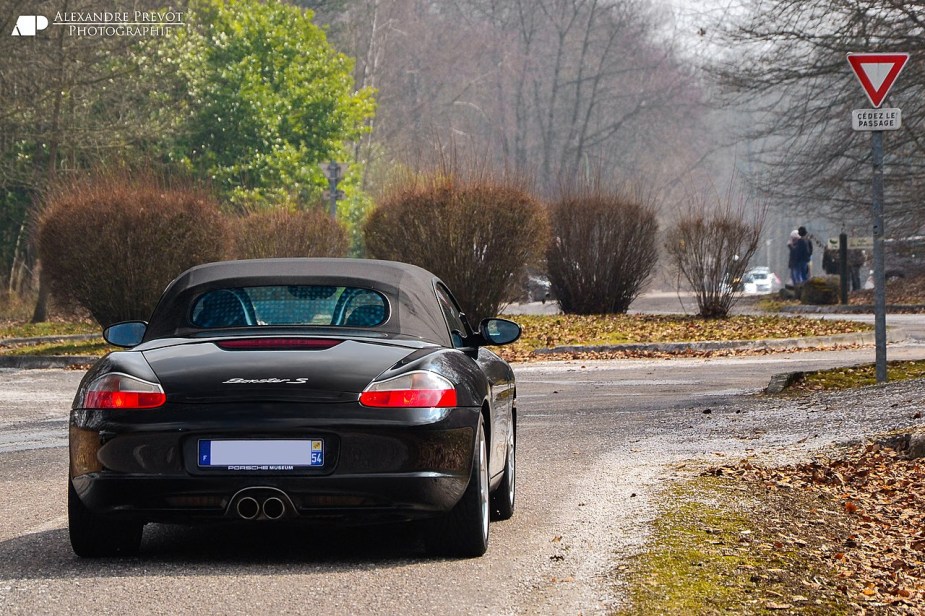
(290, 305)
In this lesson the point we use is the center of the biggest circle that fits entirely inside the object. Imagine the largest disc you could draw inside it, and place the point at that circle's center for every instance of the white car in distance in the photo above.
(760, 281)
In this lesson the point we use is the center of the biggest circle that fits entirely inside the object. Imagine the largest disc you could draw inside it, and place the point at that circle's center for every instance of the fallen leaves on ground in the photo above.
(877, 496)
(899, 291)
(549, 331)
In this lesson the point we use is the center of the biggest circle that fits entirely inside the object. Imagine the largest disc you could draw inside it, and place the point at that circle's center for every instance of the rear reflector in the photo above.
(277, 344)
(415, 389)
(121, 391)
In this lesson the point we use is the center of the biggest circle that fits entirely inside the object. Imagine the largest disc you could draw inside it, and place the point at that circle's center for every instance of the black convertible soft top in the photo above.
(415, 311)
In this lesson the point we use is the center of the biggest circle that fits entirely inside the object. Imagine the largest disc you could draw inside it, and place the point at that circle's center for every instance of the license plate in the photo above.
(261, 455)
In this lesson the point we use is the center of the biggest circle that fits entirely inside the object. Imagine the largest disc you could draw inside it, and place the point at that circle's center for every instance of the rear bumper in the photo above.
(385, 498)
(416, 465)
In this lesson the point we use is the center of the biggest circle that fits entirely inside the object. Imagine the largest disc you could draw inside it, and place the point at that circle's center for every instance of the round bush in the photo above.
(603, 250)
(284, 233)
(476, 235)
(112, 244)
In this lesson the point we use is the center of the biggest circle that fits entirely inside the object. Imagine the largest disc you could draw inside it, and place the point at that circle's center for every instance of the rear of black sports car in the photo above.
(246, 431)
(324, 390)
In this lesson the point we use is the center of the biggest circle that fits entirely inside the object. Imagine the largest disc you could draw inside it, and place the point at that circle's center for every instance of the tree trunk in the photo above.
(40, 314)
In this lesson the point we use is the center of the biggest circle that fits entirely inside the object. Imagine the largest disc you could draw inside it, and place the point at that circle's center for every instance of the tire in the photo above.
(93, 536)
(463, 532)
(502, 499)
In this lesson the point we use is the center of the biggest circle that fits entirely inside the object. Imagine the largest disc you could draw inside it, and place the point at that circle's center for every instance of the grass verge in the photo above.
(79, 347)
(842, 533)
(719, 547)
(856, 376)
(49, 328)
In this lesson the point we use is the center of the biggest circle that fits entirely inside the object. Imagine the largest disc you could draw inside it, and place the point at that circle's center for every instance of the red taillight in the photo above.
(415, 389)
(121, 391)
(278, 344)
(409, 398)
(124, 400)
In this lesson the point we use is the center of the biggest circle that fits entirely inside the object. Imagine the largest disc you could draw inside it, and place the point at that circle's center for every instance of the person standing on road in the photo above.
(793, 262)
(856, 260)
(830, 261)
(808, 246)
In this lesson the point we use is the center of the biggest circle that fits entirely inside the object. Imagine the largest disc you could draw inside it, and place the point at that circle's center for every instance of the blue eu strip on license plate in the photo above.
(260, 455)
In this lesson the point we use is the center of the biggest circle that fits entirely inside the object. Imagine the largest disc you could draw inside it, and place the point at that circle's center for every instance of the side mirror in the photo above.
(499, 331)
(126, 334)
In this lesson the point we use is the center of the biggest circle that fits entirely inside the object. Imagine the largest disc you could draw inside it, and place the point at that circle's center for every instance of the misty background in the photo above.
(671, 98)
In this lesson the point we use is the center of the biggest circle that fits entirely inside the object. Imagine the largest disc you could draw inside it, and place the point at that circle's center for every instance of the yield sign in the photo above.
(877, 72)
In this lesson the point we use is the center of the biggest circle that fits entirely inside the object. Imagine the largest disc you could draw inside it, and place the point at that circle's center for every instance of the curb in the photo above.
(838, 340)
(40, 362)
(780, 382)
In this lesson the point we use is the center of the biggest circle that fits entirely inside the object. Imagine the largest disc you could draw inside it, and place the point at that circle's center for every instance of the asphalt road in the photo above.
(596, 442)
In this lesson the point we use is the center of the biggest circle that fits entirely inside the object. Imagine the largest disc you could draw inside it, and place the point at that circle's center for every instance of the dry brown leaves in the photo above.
(899, 291)
(569, 329)
(513, 354)
(549, 331)
(880, 559)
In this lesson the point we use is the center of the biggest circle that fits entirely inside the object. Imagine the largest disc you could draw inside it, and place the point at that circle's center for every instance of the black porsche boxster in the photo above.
(337, 390)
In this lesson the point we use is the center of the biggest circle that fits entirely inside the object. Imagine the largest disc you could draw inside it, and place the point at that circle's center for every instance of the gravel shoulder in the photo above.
(614, 502)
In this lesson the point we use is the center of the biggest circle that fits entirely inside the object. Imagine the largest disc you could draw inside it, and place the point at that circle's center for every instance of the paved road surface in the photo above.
(597, 440)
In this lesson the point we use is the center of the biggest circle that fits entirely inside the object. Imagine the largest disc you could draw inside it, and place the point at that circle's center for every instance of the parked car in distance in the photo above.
(339, 390)
(760, 281)
(539, 288)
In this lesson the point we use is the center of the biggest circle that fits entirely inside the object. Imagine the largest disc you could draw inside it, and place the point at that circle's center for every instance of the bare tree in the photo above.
(65, 106)
(551, 88)
(786, 64)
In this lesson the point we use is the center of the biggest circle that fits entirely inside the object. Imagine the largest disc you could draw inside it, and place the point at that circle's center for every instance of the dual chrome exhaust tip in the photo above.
(262, 507)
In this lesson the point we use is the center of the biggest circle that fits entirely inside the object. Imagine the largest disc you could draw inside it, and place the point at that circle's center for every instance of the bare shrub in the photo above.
(281, 232)
(15, 307)
(476, 233)
(603, 250)
(113, 242)
(710, 246)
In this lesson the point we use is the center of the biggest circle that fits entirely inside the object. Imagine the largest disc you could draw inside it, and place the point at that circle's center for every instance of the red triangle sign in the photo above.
(877, 72)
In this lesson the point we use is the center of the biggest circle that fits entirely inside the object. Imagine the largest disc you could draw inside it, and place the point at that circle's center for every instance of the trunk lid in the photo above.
(204, 372)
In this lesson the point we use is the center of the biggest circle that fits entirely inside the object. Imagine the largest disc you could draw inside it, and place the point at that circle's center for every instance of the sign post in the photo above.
(877, 73)
(876, 143)
(843, 266)
(334, 172)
